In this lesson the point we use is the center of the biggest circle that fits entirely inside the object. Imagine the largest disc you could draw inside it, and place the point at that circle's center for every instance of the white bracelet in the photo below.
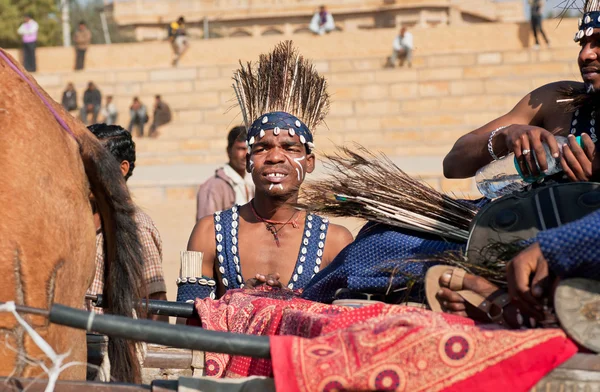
(489, 145)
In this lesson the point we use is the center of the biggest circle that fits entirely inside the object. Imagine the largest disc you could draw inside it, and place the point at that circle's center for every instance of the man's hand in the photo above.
(526, 140)
(260, 279)
(580, 164)
(526, 291)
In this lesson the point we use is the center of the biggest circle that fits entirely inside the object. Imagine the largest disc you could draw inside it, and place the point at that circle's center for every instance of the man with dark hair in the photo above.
(178, 39)
(28, 31)
(162, 116)
(92, 101)
(83, 38)
(139, 116)
(229, 185)
(120, 144)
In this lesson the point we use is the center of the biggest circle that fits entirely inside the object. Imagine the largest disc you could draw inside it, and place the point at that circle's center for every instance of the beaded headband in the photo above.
(280, 122)
(587, 24)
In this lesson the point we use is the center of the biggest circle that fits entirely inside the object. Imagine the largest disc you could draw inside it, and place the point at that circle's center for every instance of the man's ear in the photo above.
(124, 168)
(310, 163)
(248, 168)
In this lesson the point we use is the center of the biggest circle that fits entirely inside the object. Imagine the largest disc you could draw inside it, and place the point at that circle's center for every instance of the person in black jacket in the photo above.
(69, 98)
(92, 102)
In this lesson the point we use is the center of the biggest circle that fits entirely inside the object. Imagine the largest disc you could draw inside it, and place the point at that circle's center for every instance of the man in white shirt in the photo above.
(322, 22)
(28, 32)
(109, 112)
(403, 47)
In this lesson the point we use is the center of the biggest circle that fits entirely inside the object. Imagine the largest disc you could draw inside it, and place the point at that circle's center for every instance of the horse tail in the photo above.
(123, 269)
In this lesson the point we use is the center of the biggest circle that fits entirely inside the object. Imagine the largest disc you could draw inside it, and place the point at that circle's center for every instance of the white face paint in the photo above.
(299, 169)
(271, 186)
(280, 186)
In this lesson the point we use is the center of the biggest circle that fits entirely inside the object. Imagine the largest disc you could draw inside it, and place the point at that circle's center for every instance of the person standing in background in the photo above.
(139, 116)
(536, 22)
(92, 101)
(28, 31)
(162, 116)
(109, 111)
(83, 38)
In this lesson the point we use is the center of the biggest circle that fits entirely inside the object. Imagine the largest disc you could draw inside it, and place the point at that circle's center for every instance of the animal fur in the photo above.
(47, 233)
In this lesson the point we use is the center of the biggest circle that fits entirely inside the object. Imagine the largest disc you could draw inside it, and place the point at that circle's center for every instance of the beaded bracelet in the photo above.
(489, 145)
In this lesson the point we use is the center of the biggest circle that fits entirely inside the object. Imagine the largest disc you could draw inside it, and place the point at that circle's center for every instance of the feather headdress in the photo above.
(282, 91)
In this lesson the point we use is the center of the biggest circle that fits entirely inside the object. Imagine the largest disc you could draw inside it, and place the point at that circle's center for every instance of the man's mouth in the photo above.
(589, 72)
(276, 177)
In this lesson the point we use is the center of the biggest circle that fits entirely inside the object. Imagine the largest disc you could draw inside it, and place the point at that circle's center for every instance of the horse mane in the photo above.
(123, 267)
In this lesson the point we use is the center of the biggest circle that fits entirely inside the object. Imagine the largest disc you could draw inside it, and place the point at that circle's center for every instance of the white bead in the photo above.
(573, 130)
(574, 122)
(291, 132)
(577, 113)
(305, 241)
(219, 237)
(316, 269)
(233, 232)
(212, 295)
(290, 286)
(220, 258)
(302, 139)
(265, 120)
(211, 282)
(183, 280)
(307, 233)
(303, 250)
(225, 282)
(580, 34)
(234, 249)
(251, 140)
(592, 130)
(276, 131)
(295, 278)
(217, 218)
(302, 259)
(218, 227)
(321, 244)
(203, 282)
(592, 122)
(599, 19)
(589, 31)
(319, 252)
(242, 286)
(318, 261)
(218, 213)
(323, 227)
(234, 241)
(325, 220)
(310, 217)
(579, 22)
(298, 124)
(219, 248)
(236, 260)
(234, 216)
(237, 268)
(322, 236)
(261, 133)
(222, 269)
(309, 225)
(576, 37)
(300, 269)
(587, 19)
(234, 224)
(239, 279)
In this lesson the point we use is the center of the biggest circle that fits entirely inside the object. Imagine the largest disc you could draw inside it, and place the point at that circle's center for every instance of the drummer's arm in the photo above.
(572, 250)
(470, 152)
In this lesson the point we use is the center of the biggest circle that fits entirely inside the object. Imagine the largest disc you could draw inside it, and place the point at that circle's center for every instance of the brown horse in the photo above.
(49, 164)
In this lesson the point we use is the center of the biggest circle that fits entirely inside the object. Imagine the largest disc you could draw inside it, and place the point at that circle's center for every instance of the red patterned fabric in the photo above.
(380, 347)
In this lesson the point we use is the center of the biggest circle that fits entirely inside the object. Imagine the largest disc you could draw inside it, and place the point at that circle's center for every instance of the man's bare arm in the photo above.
(203, 240)
(470, 152)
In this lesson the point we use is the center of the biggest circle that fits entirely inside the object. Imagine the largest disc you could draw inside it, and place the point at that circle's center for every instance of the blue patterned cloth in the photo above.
(280, 122)
(365, 265)
(309, 259)
(573, 250)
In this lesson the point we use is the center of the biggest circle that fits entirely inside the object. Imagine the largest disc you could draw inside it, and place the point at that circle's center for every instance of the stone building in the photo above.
(234, 18)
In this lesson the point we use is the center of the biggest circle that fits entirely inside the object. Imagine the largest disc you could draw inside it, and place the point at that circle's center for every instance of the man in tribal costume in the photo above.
(269, 240)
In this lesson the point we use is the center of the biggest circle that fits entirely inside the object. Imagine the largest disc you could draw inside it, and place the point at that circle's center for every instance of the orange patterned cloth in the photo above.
(317, 347)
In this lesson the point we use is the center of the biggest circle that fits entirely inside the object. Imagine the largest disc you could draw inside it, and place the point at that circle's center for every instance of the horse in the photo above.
(51, 171)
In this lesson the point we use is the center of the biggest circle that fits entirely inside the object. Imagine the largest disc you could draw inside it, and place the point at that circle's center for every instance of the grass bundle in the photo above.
(282, 80)
(368, 186)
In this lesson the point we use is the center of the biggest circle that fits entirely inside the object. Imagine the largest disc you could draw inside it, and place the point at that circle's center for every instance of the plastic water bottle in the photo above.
(504, 176)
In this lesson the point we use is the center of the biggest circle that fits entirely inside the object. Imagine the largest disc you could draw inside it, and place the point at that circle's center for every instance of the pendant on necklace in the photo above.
(271, 228)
